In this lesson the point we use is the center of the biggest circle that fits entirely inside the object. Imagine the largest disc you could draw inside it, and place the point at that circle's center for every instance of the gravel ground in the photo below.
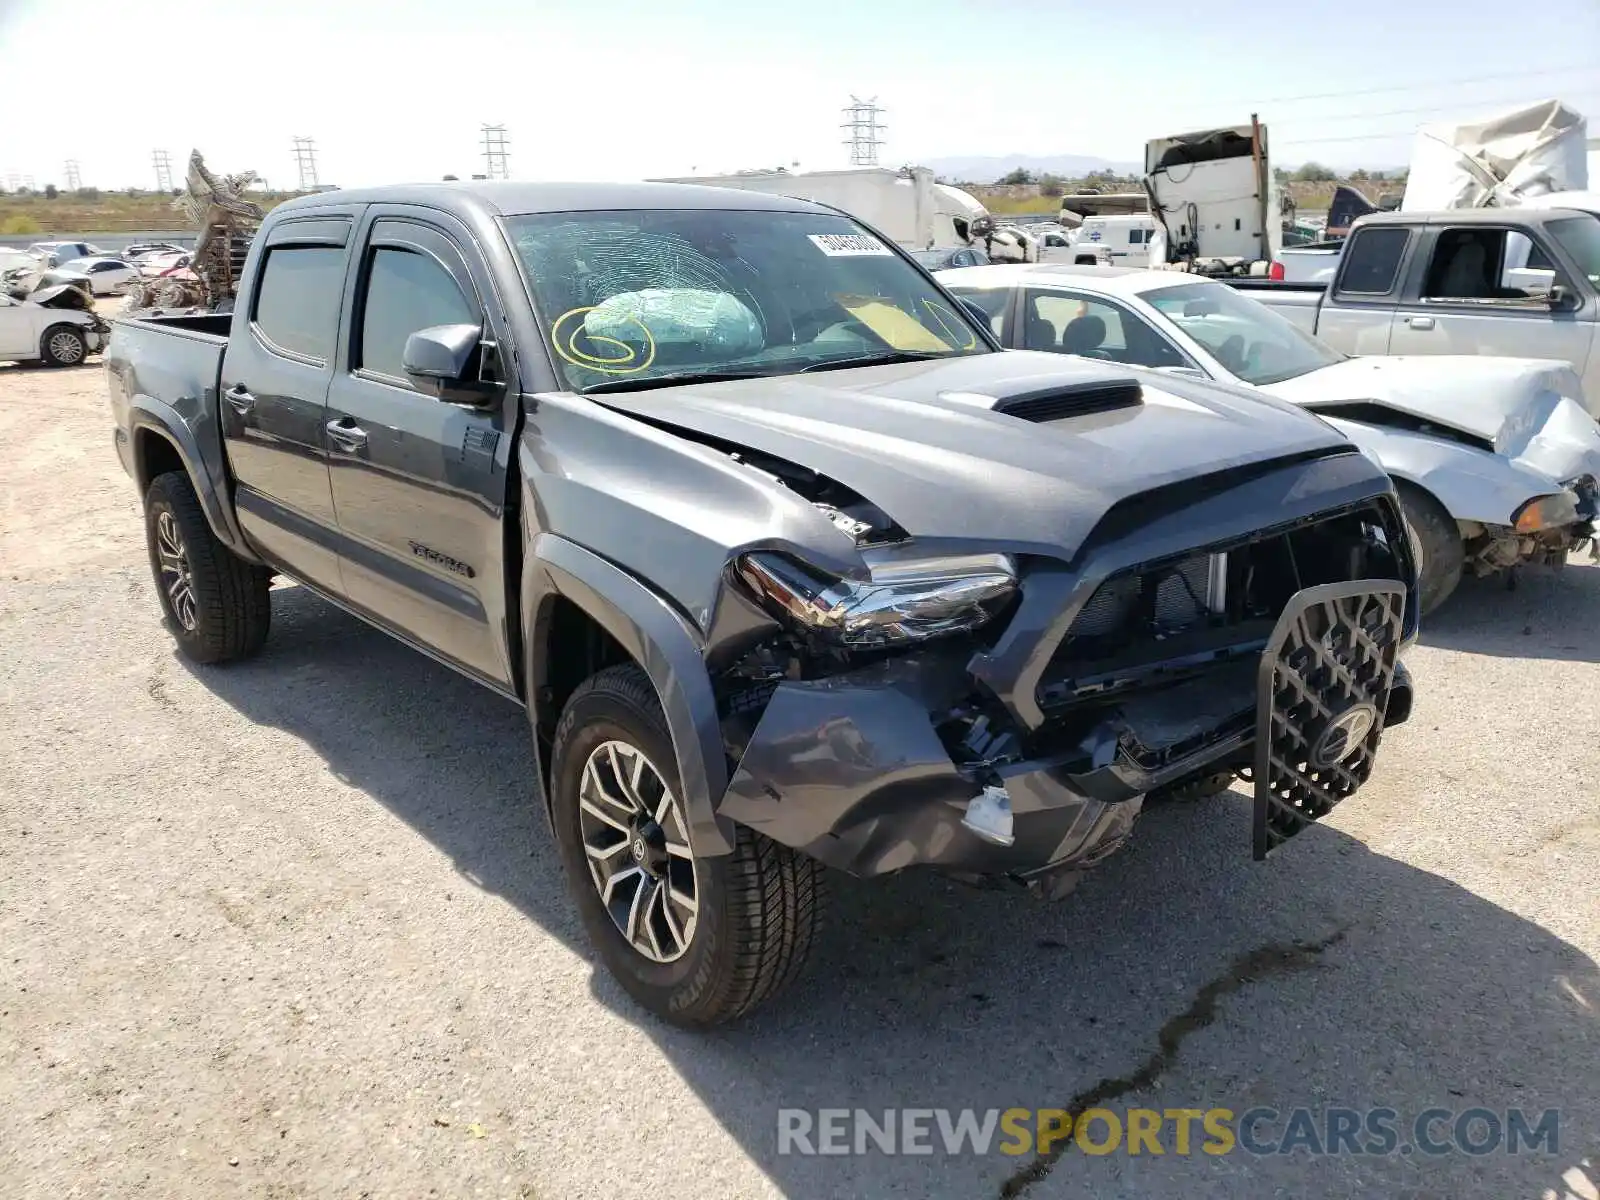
(294, 928)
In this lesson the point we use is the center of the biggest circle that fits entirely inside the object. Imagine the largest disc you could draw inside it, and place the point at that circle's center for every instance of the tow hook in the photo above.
(989, 816)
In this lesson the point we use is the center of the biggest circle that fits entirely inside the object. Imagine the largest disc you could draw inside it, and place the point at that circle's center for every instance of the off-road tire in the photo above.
(760, 908)
(1443, 554)
(52, 357)
(232, 604)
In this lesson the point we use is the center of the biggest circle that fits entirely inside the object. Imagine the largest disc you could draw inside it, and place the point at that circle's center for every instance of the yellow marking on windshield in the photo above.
(898, 328)
(629, 362)
(952, 325)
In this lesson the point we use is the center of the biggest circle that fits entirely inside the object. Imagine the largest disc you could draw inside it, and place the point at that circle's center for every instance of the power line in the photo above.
(1375, 136)
(1402, 112)
(496, 152)
(1585, 68)
(861, 120)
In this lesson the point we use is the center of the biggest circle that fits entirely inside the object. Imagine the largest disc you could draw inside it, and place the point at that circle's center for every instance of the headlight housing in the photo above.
(1546, 512)
(906, 601)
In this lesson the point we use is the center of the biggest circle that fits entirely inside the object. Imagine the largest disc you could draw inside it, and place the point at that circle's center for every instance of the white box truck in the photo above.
(1216, 206)
(906, 205)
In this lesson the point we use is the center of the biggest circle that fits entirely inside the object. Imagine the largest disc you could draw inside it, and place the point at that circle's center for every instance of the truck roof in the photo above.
(1471, 216)
(505, 198)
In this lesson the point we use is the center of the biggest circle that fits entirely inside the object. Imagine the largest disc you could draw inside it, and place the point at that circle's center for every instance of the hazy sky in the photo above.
(620, 89)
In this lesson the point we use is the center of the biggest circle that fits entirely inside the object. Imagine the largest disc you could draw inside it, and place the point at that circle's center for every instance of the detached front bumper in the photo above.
(853, 770)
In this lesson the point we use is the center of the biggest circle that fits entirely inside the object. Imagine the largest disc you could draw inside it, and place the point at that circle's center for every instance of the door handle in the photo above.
(347, 434)
(240, 398)
(1420, 322)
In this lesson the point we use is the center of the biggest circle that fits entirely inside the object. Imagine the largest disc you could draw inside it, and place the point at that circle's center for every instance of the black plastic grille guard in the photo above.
(1325, 673)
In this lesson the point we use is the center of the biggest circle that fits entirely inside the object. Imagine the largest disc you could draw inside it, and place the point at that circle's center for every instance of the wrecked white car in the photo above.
(48, 320)
(1497, 460)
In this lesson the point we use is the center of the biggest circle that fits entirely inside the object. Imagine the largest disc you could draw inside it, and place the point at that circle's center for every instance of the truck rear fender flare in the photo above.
(655, 636)
(150, 417)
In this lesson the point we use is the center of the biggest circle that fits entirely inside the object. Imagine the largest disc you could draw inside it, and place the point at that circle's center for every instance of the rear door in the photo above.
(420, 484)
(1358, 315)
(274, 393)
(1476, 297)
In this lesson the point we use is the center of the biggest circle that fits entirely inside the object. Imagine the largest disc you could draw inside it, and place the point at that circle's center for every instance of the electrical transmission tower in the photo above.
(305, 160)
(163, 166)
(74, 180)
(496, 152)
(861, 120)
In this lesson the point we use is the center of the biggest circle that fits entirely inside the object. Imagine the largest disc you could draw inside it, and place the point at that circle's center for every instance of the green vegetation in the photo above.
(91, 210)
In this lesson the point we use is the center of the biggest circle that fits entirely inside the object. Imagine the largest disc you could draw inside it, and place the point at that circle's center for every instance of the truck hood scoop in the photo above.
(1059, 403)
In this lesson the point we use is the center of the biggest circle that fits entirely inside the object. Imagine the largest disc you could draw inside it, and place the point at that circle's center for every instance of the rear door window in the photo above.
(1372, 260)
(297, 302)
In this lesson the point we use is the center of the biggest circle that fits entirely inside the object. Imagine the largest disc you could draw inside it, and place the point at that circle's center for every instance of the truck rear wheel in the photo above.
(1443, 554)
(698, 941)
(216, 604)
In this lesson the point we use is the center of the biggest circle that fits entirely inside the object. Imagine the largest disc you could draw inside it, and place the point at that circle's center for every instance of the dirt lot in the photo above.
(293, 928)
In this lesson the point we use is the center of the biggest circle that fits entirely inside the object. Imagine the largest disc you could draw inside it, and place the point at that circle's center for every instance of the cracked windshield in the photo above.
(650, 296)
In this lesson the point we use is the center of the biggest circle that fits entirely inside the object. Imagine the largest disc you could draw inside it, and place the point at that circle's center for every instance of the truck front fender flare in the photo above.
(149, 413)
(662, 643)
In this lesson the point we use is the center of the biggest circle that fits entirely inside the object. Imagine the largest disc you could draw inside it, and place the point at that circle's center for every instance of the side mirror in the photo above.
(439, 358)
(1561, 298)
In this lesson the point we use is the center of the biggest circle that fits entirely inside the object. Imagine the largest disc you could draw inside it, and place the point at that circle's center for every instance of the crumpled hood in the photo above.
(1532, 410)
(919, 439)
(1477, 394)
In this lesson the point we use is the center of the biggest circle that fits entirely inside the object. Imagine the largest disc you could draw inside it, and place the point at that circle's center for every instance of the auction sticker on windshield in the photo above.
(840, 245)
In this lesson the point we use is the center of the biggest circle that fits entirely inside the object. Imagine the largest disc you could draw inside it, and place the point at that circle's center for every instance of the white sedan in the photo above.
(1496, 460)
(107, 276)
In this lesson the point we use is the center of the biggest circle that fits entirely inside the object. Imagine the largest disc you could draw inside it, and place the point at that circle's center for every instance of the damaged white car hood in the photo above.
(1529, 410)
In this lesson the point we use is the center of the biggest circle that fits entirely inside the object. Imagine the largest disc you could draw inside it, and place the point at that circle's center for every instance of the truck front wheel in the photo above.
(698, 941)
(216, 604)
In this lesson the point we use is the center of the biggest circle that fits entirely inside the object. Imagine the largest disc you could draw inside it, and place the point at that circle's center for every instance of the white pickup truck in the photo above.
(1522, 282)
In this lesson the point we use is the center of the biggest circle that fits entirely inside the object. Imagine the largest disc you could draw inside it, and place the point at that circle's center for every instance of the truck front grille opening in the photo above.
(1167, 620)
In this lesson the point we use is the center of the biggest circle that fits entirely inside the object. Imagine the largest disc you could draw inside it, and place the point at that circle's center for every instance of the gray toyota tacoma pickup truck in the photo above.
(791, 566)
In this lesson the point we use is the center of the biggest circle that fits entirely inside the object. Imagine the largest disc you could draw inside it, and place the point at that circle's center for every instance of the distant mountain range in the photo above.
(978, 168)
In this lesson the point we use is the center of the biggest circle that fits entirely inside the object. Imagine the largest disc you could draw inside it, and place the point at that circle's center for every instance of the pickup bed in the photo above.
(790, 566)
(1512, 282)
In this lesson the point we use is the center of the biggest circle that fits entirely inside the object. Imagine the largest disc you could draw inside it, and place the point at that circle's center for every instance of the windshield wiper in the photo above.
(878, 360)
(639, 383)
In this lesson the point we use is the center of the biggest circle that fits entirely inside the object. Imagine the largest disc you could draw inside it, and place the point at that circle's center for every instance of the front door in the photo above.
(1476, 298)
(420, 484)
(19, 332)
(274, 392)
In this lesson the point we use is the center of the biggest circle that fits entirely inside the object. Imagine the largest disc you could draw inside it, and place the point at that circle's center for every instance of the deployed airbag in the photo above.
(711, 321)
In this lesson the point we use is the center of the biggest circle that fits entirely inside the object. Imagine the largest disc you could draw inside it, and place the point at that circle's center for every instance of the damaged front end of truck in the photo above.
(1001, 715)
(998, 718)
(974, 630)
